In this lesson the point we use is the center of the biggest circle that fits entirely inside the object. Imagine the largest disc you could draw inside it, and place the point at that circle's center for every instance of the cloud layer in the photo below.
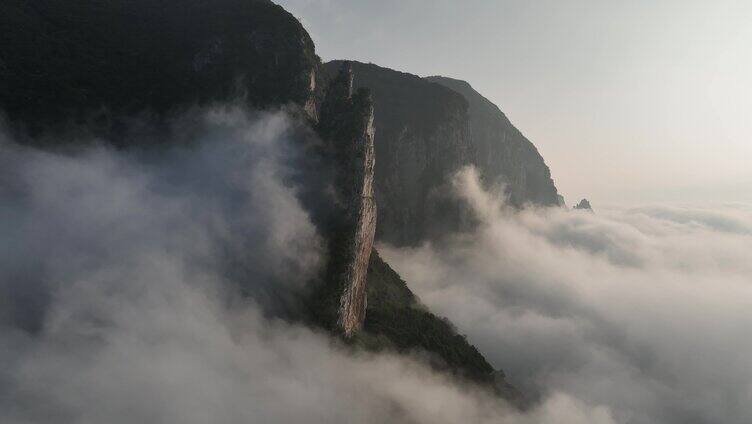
(645, 311)
(147, 286)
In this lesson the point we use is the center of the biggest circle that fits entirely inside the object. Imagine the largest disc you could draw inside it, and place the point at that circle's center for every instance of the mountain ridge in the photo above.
(504, 155)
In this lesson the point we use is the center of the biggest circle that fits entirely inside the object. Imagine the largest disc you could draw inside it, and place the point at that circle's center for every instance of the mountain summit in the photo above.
(584, 205)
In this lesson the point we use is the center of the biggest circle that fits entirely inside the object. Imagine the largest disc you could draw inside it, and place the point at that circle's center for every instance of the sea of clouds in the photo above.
(643, 311)
(157, 285)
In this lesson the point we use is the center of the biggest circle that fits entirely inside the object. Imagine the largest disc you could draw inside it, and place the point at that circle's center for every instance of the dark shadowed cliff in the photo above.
(502, 154)
(422, 137)
(427, 129)
(96, 62)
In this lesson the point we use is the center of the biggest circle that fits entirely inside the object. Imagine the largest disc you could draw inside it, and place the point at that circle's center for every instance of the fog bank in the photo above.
(645, 311)
(149, 285)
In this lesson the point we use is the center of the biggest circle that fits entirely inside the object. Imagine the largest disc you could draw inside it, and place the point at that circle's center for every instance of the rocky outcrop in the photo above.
(584, 205)
(422, 139)
(96, 63)
(346, 127)
(562, 202)
(504, 157)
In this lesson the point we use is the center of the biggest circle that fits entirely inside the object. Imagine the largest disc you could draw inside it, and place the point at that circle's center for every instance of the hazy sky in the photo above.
(629, 101)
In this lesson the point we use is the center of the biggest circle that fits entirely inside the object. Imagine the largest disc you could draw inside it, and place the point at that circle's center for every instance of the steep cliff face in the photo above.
(422, 139)
(428, 129)
(346, 126)
(502, 154)
(94, 62)
(362, 297)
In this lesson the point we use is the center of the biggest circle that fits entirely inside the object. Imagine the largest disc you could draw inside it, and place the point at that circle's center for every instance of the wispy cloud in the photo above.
(643, 310)
(120, 278)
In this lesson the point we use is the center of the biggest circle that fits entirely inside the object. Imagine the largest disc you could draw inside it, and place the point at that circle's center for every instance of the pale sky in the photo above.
(629, 102)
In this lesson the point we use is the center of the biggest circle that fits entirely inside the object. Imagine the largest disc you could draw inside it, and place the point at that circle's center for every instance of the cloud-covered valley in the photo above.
(156, 285)
(645, 311)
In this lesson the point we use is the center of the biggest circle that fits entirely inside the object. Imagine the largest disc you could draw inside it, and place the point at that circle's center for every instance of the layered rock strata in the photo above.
(346, 126)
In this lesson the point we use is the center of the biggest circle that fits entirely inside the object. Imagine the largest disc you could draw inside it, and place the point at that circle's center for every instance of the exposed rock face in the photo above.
(94, 62)
(562, 202)
(428, 128)
(346, 126)
(584, 205)
(502, 154)
(422, 140)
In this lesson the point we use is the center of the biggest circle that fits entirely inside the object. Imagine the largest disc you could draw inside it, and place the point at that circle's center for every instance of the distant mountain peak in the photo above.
(584, 205)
